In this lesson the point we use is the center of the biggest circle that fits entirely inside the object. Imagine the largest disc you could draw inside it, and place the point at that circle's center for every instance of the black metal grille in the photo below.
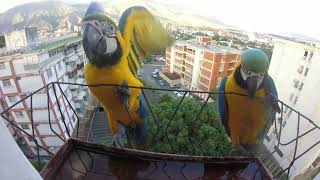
(278, 124)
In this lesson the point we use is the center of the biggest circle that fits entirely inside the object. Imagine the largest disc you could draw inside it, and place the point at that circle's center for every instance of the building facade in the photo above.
(21, 38)
(24, 73)
(200, 65)
(295, 69)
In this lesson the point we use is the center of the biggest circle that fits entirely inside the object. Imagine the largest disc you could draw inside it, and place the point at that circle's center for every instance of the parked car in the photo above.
(154, 75)
(161, 83)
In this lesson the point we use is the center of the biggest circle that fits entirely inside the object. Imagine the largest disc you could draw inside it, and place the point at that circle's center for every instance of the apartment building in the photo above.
(295, 69)
(200, 65)
(24, 72)
(18, 39)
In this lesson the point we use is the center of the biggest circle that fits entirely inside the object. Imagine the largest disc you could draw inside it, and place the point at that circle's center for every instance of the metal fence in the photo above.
(56, 86)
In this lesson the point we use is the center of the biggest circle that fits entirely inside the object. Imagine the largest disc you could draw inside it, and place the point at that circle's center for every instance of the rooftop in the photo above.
(46, 46)
(171, 76)
(211, 48)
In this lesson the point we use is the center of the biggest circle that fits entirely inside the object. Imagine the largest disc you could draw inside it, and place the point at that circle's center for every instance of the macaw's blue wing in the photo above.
(223, 105)
(141, 131)
(271, 105)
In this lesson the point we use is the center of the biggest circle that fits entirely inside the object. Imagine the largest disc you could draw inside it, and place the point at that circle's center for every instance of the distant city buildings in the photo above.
(199, 65)
(295, 69)
(21, 38)
(22, 73)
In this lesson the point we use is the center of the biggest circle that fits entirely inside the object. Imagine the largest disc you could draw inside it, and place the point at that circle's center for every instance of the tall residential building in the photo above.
(200, 65)
(295, 69)
(18, 39)
(24, 72)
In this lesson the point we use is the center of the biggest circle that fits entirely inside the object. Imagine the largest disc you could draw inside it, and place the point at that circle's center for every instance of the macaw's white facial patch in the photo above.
(112, 45)
(102, 36)
(247, 74)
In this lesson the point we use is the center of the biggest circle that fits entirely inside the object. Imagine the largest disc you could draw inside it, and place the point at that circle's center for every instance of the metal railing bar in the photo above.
(23, 99)
(59, 107)
(49, 116)
(74, 112)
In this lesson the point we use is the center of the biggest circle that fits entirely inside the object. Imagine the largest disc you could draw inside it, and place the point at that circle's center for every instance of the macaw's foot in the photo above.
(238, 150)
(124, 93)
(117, 140)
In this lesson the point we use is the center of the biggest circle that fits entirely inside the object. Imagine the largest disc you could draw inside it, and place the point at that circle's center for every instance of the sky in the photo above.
(269, 16)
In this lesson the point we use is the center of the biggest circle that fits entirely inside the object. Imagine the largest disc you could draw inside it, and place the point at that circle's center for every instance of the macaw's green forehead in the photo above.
(255, 60)
(98, 17)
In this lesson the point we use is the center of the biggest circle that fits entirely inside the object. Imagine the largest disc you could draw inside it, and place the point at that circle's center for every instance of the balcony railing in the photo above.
(88, 150)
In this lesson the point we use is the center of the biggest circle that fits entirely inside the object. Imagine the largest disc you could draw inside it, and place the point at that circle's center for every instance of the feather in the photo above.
(142, 34)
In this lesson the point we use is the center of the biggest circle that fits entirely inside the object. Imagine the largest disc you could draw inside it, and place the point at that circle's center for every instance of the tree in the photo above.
(187, 134)
(223, 43)
(148, 58)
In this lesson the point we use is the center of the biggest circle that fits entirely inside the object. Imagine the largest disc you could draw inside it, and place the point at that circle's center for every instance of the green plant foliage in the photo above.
(38, 166)
(207, 135)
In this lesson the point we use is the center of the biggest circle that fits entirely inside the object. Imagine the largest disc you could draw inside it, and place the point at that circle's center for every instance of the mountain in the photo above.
(52, 14)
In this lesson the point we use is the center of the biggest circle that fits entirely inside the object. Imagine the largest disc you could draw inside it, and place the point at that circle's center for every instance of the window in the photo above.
(291, 97)
(295, 83)
(305, 53)
(267, 138)
(73, 118)
(59, 65)
(311, 55)
(306, 72)
(6, 83)
(300, 70)
(25, 126)
(49, 73)
(276, 148)
(18, 114)
(12, 99)
(295, 100)
(289, 113)
(2, 65)
(300, 86)
(316, 162)
(28, 67)
(284, 124)
(30, 138)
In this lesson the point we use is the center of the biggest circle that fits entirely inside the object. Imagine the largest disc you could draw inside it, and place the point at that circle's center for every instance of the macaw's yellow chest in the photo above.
(246, 116)
(108, 95)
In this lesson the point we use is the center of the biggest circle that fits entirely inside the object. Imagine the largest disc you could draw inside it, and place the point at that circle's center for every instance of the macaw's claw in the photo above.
(124, 93)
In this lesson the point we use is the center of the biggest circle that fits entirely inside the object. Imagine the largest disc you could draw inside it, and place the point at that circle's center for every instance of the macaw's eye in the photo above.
(249, 73)
(108, 28)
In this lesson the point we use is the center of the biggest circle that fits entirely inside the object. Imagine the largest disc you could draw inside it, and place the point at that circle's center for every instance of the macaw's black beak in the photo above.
(252, 83)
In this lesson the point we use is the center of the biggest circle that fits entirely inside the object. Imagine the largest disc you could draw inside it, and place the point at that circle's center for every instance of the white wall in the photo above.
(172, 60)
(44, 129)
(15, 39)
(53, 141)
(286, 59)
(14, 164)
(30, 83)
(19, 64)
(196, 68)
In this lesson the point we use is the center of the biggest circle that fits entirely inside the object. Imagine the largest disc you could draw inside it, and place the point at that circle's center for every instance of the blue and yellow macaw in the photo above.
(248, 117)
(114, 54)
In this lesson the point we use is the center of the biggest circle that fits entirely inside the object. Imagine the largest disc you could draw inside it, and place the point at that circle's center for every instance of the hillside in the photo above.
(51, 14)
